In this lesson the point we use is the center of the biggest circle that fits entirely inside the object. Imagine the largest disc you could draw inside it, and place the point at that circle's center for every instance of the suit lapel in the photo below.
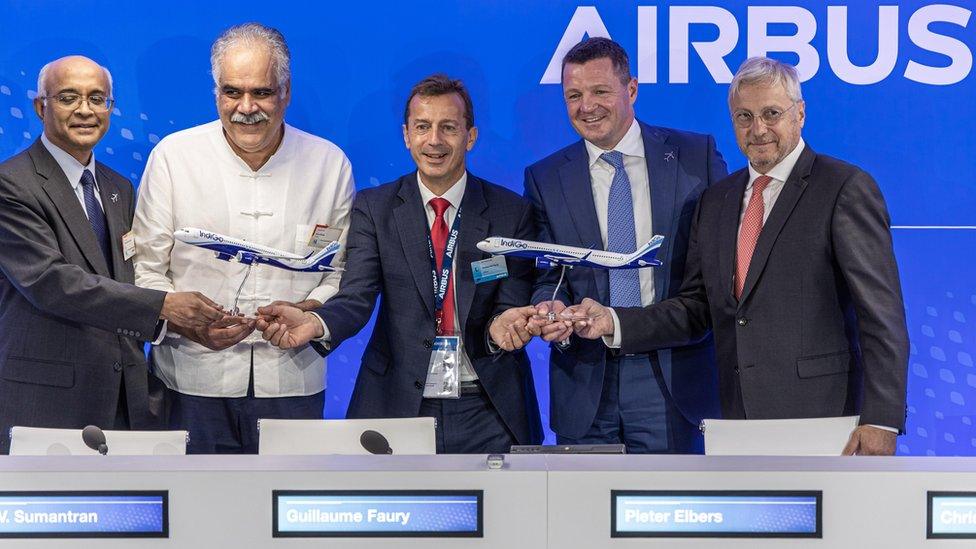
(577, 190)
(729, 231)
(411, 223)
(115, 216)
(59, 190)
(788, 197)
(474, 228)
(661, 158)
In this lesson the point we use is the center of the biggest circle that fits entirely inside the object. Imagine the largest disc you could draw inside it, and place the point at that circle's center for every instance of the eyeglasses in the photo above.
(96, 102)
(770, 116)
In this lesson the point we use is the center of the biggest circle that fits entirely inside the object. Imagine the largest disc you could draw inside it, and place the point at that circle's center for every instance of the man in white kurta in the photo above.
(253, 177)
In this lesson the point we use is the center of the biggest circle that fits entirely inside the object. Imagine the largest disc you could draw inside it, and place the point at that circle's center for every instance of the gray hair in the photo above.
(767, 72)
(250, 34)
(42, 78)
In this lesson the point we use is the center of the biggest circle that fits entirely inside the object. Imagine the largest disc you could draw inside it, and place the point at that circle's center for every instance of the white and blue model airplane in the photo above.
(233, 249)
(548, 256)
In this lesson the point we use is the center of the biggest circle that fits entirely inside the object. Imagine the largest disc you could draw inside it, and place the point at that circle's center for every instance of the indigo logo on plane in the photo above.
(514, 244)
(928, 28)
(211, 236)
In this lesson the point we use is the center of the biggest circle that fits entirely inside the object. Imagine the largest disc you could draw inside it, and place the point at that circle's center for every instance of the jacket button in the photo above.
(427, 345)
(743, 321)
(418, 384)
(117, 367)
(138, 334)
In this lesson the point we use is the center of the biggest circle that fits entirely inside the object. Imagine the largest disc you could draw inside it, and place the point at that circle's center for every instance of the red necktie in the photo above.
(438, 235)
(752, 224)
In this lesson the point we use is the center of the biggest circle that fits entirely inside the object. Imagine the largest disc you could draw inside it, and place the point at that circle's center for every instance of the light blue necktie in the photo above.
(621, 235)
(96, 216)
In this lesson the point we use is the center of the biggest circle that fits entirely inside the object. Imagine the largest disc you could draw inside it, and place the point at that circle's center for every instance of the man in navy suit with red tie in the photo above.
(413, 241)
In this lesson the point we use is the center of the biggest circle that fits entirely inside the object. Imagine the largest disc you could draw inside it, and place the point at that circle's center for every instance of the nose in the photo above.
(84, 109)
(434, 137)
(247, 105)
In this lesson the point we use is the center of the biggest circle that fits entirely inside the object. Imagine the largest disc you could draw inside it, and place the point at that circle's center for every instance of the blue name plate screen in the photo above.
(952, 515)
(84, 514)
(398, 513)
(716, 514)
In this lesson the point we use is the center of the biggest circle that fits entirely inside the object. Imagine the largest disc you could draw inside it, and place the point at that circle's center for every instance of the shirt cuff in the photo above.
(613, 341)
(883, 427)
(326, 336)
(161, 329)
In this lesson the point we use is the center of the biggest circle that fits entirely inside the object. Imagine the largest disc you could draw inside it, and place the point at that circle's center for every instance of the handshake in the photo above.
(553, 321)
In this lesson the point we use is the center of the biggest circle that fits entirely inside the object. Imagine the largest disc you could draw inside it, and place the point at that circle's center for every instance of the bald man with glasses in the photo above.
(72, 323)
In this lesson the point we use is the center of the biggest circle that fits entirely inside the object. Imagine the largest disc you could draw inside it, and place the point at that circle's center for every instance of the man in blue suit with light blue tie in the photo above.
(624, 182)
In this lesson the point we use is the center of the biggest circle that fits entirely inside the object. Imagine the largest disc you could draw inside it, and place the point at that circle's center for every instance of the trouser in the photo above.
(469, 424)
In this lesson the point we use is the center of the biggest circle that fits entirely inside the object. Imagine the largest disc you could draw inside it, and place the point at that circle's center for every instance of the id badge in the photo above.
(490, 269)
(443, 376)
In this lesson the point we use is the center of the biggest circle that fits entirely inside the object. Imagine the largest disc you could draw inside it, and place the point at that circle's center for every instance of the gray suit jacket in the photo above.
(820, 328)
(68, 331)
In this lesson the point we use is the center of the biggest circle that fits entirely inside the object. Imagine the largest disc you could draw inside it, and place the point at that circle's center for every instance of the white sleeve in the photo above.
(345, 189)
(152, 226)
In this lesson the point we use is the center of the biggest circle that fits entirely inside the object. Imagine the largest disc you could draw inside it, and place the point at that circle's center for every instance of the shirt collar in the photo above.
(781, 171)
(631, 144)
(453, 195)
(69, 165)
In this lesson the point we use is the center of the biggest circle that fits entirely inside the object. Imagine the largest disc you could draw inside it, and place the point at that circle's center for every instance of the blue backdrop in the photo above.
(905, 118)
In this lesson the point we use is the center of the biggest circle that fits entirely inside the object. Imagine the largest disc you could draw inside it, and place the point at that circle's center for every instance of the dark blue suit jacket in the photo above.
(387, 254)
(681, 165)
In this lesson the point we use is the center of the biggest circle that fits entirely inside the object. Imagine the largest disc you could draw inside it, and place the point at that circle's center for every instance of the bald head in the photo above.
(72, 102)
(71, 62)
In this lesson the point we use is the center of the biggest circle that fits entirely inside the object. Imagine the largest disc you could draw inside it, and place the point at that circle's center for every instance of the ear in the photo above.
(472, 137)
(39, 107)
(632, 90)
(406, 136)
(286, 99)
(801, 112)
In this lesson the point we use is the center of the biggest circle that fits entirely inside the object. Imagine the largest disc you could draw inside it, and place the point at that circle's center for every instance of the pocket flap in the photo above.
(823, 365)
(39, 372)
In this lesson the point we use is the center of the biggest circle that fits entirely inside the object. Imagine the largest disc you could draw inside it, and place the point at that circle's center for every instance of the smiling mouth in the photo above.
(591, 119)
(435, 156)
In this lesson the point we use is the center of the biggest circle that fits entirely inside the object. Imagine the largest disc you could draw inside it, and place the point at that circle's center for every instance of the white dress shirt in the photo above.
(454, 196)
(194, 179)
(73, 170)
(601, 175)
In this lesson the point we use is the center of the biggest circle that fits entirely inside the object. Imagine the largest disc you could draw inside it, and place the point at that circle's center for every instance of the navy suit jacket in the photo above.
(69, 331)
(387, 254)
(681, 165)
(819, 330)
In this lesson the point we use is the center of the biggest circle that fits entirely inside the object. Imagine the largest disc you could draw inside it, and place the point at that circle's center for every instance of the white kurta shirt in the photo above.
(194, 179)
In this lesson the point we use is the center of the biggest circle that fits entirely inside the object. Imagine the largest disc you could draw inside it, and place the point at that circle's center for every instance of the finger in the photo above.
(521, 328)
(852, 444)
(517, 342)
(276, 339)
(270, 331)
(206, 300)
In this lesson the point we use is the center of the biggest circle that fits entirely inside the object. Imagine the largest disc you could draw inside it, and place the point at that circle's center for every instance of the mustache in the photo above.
(253, 118)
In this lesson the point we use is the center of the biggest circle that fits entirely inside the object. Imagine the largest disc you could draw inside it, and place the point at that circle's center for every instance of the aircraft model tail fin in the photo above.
(324, 257)
(646, 255)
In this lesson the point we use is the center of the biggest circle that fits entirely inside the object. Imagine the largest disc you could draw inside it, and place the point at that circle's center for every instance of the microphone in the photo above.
(374, 442)
(95, 439)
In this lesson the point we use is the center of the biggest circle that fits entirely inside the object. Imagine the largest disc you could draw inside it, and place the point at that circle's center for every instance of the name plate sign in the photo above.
(951, 515)
(84, 514)
(371, 513)
(716, 514)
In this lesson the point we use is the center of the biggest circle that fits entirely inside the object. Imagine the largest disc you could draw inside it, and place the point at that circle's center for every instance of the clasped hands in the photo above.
(196, 317)
(553, 321)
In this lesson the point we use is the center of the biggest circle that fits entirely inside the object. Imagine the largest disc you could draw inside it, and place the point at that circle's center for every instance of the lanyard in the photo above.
(447, 264)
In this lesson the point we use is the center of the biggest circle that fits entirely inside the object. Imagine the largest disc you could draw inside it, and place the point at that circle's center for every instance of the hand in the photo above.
(220, 335)
(307, 305)
(558, 330)
(596, 320)
(287, 327)
(870, 441)
(512, 329)
(190, 309)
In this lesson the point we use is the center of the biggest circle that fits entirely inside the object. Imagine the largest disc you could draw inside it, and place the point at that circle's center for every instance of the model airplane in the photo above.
(548, 256)
(232, 249)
